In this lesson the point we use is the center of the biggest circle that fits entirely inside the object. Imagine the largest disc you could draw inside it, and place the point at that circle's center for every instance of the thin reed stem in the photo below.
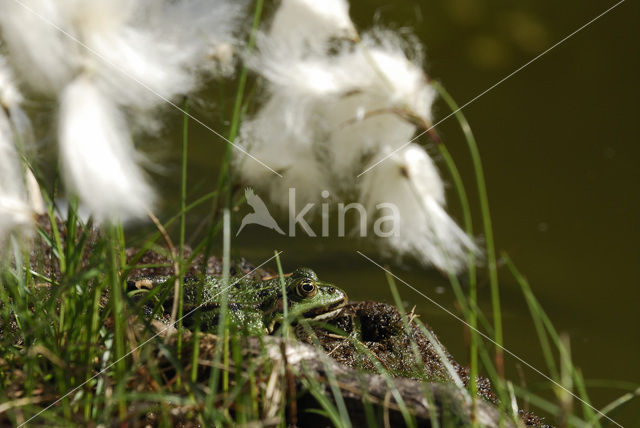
(486, 221)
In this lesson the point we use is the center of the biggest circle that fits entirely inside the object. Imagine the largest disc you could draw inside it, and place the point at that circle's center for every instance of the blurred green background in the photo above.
(560, 150)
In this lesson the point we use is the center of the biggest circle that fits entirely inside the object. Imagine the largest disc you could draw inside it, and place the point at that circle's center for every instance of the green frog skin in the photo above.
(256, 307)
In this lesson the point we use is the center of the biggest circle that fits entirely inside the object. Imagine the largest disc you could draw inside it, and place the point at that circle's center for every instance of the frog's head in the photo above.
(311, 297)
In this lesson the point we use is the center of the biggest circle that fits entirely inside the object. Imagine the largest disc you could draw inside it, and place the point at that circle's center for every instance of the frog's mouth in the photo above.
(325, 312)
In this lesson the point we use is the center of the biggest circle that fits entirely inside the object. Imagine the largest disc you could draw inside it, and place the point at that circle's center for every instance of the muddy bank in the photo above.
(353, 346)
(376, 336)
(389, 400)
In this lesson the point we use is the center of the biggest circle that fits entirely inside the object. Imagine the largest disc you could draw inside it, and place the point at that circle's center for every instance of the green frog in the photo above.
(256, 306)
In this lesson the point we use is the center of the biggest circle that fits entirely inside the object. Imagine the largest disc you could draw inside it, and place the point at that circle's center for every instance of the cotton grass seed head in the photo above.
(15, 210)
(410, 181)
(333, 110)
(306, 26)
(98, 158)
(102, 58)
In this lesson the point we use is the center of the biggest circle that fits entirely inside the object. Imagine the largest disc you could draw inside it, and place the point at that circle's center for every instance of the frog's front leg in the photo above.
(275, 321)
(348, 322)
(342, 324)
(356, 327)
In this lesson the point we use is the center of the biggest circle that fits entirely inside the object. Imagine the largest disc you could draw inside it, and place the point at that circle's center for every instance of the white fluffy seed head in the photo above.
(223, 59)
(280, 139)
(15, 210)
(97, 155)
(333, 110)
(10, 100)
(45, 57)
(381, 91)
(102, 56)
(15, 216)
(132, 64)
(9, 94)
(410, 181)
(205, 30)
(361, 99)
(305, 26)
(136, 48)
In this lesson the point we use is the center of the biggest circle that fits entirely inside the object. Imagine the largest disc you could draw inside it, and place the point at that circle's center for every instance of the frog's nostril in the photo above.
(332, 290)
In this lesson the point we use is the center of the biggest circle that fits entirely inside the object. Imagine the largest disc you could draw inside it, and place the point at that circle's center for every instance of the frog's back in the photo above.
(242, 291)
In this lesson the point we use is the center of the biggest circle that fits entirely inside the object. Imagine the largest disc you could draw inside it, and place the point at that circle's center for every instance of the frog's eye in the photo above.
(306, 288)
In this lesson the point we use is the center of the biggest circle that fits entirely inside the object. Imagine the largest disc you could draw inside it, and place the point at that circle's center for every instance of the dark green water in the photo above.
(560, 150)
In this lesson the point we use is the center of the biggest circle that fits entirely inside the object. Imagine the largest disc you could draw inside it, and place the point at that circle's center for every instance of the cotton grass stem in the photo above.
(117, 313)
(183, 187)
(221, 352)
(406, 324)
(568, 375)
(242, 80)
(224, 179)
(56, 236)
(224, 322)
(618, 402)
(472, 315)
(183, 224)
(177, 289)
(285, 302)
(486, 221)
